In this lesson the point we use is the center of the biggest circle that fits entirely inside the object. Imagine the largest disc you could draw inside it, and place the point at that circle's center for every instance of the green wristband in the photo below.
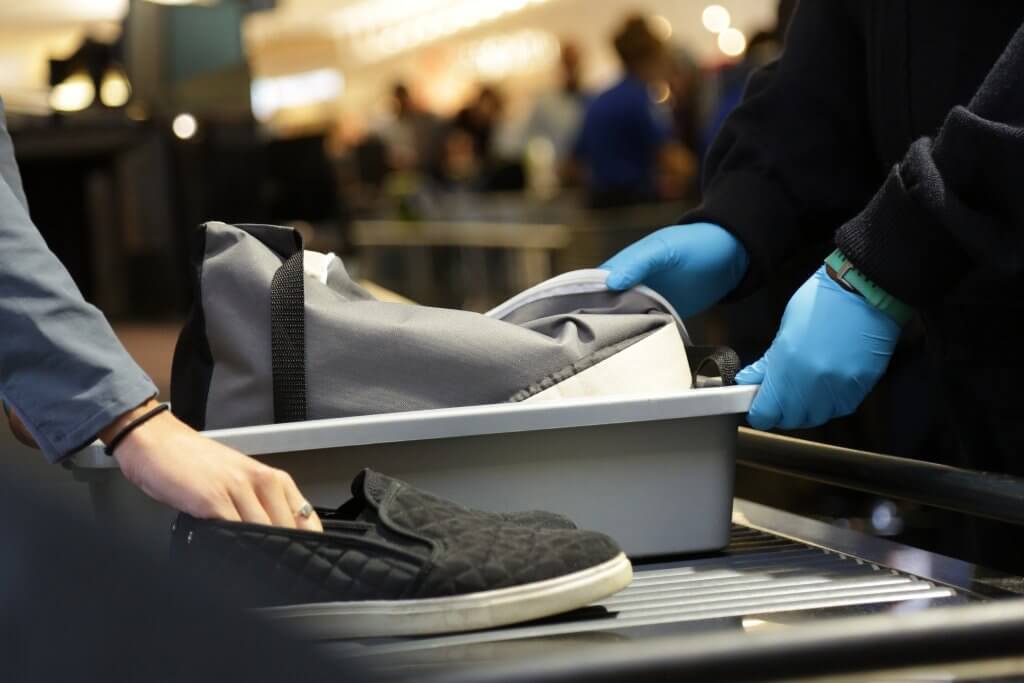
(872, 293)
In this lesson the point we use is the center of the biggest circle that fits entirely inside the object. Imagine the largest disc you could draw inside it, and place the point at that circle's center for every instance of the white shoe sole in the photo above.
(487, 609)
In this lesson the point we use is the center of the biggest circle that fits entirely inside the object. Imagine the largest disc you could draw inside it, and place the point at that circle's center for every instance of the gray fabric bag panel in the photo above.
(364, 356)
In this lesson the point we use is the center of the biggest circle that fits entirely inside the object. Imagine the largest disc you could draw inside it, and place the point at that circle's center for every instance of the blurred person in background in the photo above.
(557, 115)
(411, 134)
(625, 138)
(464, 144)
(676, 176)
(685, 83)
(470, 156)
(458, 165)
(480, 119)
(411, 141)
(65, 380)
(730, 81)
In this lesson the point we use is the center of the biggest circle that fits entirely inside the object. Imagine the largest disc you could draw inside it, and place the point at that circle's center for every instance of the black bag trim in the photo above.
(288, 339)
(712, 362)
(282, 240)
(192, 367)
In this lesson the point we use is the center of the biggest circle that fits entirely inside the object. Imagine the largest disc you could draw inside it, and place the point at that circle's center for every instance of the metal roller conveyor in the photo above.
(785, 579)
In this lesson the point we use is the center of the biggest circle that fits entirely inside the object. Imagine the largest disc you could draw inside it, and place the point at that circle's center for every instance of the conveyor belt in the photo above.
(760, 574)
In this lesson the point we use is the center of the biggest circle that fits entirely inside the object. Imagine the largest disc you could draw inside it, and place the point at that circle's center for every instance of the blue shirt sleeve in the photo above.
(579, 143)
(657, 126)
(62, 369)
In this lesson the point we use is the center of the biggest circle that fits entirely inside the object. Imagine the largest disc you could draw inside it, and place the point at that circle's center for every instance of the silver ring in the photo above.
(306, 511)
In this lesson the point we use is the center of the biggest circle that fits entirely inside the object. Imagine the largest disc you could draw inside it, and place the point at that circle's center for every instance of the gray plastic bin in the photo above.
(656, 473)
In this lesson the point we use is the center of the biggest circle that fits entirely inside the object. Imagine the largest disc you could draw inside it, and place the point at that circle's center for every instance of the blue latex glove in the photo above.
(693, 266)
(831, 349)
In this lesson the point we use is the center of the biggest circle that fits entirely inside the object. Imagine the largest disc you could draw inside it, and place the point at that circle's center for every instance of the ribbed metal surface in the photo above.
(759, 574)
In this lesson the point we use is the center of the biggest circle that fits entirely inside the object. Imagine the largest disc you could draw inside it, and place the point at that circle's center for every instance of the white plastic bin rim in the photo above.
(502, 418)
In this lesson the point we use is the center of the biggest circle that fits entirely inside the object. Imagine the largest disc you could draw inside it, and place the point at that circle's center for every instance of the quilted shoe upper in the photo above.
(390, 542)
(261, 566)
(539, 519)
(476, 551)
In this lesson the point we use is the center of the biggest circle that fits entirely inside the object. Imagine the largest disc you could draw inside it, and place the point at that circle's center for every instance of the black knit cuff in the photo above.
(754, 210)
(898, 245)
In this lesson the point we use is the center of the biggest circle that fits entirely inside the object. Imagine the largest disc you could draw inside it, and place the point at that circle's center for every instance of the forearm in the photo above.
(8, 166)
(62, 368)
(953, 204)
(793, 161)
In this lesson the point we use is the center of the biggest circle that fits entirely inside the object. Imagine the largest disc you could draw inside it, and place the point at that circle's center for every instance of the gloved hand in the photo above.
(693, 266)
(831, 349)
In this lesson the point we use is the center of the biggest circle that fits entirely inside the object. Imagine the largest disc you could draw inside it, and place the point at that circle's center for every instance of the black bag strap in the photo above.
(288, 339)
(713, 365)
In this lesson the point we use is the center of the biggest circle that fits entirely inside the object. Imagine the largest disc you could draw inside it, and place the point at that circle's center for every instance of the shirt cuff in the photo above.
(113, 401)
(899, 247)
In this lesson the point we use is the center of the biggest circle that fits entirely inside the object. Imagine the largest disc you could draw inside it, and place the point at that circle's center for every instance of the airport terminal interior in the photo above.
(402, 258)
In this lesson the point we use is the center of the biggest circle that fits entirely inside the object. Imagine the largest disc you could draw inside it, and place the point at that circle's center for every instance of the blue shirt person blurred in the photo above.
(624, 136)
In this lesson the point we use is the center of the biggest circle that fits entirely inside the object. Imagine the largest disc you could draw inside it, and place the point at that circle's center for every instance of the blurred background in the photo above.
(436, 144)
(451, 151)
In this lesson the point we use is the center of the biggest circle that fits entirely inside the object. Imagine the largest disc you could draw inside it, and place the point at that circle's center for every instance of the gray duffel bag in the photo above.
(280, 334)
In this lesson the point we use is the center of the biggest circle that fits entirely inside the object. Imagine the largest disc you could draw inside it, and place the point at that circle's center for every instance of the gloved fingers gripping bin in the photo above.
(569, 397)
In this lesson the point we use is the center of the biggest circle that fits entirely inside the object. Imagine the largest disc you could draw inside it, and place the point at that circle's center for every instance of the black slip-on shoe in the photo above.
(540, 519)
(395, 560)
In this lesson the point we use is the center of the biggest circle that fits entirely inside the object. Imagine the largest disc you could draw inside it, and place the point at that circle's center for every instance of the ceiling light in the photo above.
(386, 28)
(501, 55)
(716, 18)
(661, 92)
(180, 3)
(732, 42)
(662, 27)
(115, 91)
(185, 126)
(75, 93)
(271, 95)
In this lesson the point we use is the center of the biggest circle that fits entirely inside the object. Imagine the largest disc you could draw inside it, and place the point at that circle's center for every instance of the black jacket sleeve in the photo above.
(954, 203)
(795, 160)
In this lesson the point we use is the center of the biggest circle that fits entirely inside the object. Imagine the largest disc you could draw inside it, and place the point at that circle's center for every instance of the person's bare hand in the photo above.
(177, 466)
(19, 430)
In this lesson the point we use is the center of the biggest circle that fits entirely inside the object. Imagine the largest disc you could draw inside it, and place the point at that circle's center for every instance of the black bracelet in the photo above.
(133, 425)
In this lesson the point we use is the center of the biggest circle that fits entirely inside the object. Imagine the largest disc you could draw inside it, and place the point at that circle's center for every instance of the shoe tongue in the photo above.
(368, 490)
(371, 486)
(357, 484)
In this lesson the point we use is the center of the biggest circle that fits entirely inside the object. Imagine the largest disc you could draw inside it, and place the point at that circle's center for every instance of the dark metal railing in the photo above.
(960, 635)
(980, 494)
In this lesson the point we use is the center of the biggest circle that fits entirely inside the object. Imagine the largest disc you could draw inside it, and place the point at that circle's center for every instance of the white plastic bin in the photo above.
(656, 473)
